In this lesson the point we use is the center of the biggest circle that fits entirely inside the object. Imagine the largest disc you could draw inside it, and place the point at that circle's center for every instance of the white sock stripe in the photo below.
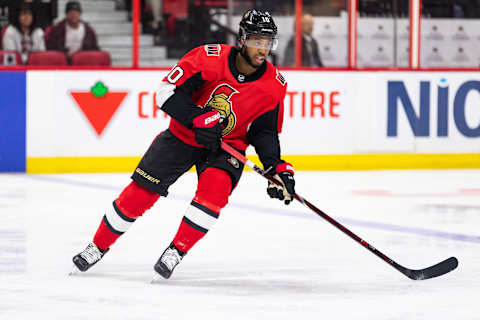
(116, 221)
(200, 218)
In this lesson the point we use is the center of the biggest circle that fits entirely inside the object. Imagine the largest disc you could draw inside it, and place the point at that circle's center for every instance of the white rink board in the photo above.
(349, 114)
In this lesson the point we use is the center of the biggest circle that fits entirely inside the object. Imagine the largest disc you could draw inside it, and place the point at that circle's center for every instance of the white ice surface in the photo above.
(262, 260)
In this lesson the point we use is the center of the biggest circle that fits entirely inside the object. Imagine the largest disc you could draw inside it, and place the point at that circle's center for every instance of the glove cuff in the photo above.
(285, 167)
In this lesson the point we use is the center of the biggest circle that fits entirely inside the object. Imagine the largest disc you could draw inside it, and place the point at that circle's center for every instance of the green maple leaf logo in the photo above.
(99, 90)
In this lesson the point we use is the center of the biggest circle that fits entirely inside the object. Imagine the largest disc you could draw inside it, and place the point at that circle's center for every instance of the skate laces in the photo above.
(91, 253)
(171, 258)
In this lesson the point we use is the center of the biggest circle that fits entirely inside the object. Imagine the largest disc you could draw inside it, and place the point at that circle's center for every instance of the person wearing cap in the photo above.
(23, 35)
(72, 34)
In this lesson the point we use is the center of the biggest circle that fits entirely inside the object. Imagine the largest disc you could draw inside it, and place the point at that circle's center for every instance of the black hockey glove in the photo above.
(286, 191)
(208, 131)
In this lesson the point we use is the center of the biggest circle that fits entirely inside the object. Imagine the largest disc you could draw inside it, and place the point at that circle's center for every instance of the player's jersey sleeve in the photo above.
(263, 136)
(263, 132)
(174, 95)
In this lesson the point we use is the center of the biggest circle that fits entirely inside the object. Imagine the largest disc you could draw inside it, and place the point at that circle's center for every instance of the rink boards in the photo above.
(103, 121)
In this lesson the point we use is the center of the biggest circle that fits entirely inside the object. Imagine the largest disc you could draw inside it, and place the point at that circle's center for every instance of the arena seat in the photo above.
(47, 58)
(10, 58)
(177, 8)
(91, 58)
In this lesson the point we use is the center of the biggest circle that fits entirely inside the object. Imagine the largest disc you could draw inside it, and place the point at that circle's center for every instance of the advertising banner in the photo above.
(319, 110)
(107, 113)
(74, 113)
(331, 119)
(435, 112)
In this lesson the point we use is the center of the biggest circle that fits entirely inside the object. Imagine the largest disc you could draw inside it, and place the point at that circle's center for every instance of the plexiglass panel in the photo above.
(184, 25)
(383, 33)
(450, 34)
(330, 30)
(324, 35)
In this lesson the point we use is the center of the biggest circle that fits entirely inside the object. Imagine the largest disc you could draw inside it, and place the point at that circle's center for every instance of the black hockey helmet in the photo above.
(258, 23)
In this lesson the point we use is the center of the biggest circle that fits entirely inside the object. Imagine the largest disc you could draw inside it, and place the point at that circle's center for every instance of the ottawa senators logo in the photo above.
(220, 101)
(234, 162)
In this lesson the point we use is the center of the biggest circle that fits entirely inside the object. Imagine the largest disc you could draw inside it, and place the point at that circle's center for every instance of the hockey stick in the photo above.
(421, 274)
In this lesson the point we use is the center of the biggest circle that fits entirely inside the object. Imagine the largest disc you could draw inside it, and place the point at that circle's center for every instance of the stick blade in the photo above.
(431, 272)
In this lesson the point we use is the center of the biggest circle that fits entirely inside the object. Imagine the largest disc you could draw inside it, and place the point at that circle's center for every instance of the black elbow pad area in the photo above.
(180, 105)
(181, 108)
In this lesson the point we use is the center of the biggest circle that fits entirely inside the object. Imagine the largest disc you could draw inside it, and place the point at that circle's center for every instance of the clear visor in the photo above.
(262, 43)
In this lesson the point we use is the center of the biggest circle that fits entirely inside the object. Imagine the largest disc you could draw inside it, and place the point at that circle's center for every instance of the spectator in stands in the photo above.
(156, 23)
(23, 36)
(128, 6)
(72, 34)
(310, 53)
(151, 18)
(45, 11)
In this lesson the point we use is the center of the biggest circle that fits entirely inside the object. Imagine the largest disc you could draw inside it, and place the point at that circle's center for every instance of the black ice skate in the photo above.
(88, 257)
(170, 258)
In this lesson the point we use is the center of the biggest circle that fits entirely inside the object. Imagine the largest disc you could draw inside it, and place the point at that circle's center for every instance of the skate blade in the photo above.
(74, 271)
(155, 279)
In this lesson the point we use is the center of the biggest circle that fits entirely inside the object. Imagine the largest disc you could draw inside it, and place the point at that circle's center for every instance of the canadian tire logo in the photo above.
(99, 105)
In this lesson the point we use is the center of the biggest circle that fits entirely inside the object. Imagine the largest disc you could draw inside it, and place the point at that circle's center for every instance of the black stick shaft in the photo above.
(434, 271)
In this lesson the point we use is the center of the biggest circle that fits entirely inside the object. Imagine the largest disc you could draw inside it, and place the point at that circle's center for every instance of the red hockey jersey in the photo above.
(209, 74)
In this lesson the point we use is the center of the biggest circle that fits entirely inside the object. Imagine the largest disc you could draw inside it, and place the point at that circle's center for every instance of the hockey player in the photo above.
(215, 92)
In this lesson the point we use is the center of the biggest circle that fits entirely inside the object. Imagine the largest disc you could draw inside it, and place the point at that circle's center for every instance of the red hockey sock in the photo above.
(104, 237)
(187, 235)
(131, 204)
(213, 189)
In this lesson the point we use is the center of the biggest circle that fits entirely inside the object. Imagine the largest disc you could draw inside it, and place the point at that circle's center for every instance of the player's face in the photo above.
(258, 49)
